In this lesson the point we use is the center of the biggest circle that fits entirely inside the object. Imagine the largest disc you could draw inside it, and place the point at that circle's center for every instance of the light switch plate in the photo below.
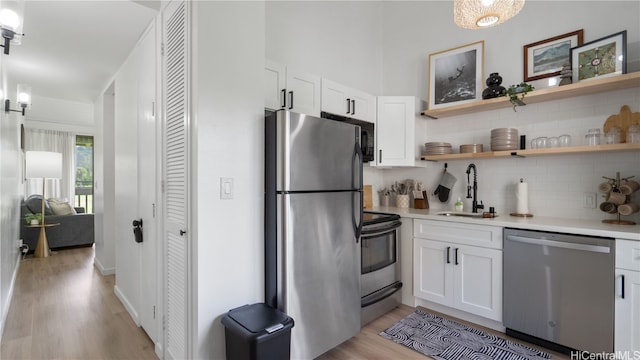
(226, 188)
(590, 200)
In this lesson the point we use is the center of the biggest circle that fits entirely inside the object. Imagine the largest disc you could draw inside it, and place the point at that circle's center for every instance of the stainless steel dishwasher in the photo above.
(559, 290)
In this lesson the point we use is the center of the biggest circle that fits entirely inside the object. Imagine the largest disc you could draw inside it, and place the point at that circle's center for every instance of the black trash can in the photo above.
(257, 332)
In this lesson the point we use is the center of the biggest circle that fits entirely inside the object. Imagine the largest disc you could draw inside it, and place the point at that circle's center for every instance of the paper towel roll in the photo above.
(522, 194)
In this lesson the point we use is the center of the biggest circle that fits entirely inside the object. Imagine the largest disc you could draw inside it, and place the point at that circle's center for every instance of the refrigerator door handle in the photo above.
(357, 152)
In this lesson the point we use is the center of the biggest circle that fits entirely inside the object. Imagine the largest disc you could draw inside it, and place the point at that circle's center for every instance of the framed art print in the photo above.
(600, 58)
(456, 75)
(545, 58)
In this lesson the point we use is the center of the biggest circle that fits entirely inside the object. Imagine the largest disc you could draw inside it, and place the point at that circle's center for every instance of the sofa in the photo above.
(76, 227)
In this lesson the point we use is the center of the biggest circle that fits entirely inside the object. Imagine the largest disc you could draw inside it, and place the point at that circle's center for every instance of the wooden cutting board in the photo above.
(622, 120)
(368, 196)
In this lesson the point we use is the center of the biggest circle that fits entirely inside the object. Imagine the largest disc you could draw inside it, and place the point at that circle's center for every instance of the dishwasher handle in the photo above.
(560, 244)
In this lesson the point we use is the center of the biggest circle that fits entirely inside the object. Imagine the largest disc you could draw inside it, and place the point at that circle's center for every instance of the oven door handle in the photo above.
(381, 294)
(381, 231)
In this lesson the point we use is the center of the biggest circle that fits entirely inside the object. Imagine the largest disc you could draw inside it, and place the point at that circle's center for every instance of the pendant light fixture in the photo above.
(479, 14)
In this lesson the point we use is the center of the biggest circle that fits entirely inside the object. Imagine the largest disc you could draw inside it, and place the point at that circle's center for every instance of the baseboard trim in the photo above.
(5, 310)
(127, 305)
(104, 271)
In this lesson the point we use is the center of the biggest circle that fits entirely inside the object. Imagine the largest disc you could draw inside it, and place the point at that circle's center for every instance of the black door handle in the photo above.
(353, 107)
(284, 98)
(137, 230)
(182, 232)
(348, 106)
(448, 253)
(456, 257)
(290, 100)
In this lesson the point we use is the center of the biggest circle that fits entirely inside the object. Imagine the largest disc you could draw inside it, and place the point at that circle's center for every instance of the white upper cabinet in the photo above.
(395, 131)
(275, 79)
(286, 88)
(342, 100)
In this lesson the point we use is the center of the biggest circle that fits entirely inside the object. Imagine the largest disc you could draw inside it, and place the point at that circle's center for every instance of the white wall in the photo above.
(104, 183)
(336, 40)
(59, 114)
(228, 113)
(558, 183)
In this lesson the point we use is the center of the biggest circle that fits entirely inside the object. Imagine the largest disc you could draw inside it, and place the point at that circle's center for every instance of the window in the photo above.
(84, 172)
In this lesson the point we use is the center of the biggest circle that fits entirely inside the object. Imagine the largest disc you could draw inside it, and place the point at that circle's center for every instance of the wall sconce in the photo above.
(478, 14)
(11, 22)
(24, 99)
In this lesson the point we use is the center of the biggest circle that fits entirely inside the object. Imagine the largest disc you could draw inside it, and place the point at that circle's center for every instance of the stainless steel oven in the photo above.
(380, 283)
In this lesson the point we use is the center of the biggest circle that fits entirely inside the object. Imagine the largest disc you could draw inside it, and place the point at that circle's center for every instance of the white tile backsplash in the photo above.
(557, 183)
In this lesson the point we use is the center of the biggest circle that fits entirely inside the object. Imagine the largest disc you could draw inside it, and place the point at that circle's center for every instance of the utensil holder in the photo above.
(402, 201)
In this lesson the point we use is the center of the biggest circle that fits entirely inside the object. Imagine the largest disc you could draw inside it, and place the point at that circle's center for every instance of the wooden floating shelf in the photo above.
(534, 152)
(587, 87)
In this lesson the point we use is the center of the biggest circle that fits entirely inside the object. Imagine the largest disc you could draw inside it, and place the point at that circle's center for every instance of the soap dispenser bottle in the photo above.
(459, 205)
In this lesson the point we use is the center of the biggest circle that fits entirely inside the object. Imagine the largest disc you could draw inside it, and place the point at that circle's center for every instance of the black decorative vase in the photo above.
(494, 89)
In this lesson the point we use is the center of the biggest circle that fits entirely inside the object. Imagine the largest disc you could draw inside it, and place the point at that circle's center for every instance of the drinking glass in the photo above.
(565, 140)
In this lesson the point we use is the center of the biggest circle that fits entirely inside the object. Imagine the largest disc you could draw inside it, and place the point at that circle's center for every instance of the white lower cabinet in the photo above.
(627, 303)
(451, 273)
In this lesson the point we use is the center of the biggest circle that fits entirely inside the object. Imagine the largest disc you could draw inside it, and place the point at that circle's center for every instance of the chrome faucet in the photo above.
(474, 205)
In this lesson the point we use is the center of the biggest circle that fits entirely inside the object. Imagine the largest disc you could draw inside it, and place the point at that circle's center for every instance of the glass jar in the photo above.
(553, 142)
(633, 134)
(593, 137)
(534, 143)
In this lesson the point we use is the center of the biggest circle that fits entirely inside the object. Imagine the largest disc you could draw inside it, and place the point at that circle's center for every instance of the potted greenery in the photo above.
(33, 219)
(518, 90)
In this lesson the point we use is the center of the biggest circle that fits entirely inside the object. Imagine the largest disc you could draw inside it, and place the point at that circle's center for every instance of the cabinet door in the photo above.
(363, 105)
(627, 329)
(303, 93)
(432, 273)
(334, 98)
(478, 281)
(274, 83)
(395, 128)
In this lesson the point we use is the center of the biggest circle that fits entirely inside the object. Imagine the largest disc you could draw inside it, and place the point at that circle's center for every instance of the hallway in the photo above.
(63, 308)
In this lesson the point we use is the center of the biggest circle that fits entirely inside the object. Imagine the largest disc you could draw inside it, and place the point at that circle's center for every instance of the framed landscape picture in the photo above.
(545, 58)
(456, 75)
(600, 58)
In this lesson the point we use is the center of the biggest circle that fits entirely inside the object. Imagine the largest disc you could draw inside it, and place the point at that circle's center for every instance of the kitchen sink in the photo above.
(461, 214)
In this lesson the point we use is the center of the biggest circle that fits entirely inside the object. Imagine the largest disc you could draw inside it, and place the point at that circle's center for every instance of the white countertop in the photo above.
(570, 226)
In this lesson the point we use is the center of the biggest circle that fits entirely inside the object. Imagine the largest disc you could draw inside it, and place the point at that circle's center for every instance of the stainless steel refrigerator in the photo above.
(313, 219)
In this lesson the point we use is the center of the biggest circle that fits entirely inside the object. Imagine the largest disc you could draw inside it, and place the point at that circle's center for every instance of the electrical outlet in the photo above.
(590, 200)
(19, 243)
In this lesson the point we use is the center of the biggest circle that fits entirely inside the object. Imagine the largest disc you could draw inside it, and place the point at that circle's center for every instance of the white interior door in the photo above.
(175, 194)
(147, 178)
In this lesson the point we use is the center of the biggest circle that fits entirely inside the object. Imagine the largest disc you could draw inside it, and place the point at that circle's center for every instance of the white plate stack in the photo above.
(437, 148)
(504, 139)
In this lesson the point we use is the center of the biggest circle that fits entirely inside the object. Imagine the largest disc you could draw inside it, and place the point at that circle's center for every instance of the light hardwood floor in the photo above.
(63, 308)
(369, 345)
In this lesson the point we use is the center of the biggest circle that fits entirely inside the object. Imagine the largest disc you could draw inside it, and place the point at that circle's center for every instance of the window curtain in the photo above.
(56, 141)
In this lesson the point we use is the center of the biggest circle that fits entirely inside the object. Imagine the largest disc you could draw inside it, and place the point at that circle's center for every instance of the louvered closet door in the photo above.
(176, 193)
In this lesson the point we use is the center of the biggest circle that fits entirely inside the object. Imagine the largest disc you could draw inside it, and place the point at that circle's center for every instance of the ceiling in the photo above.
(71, 49)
